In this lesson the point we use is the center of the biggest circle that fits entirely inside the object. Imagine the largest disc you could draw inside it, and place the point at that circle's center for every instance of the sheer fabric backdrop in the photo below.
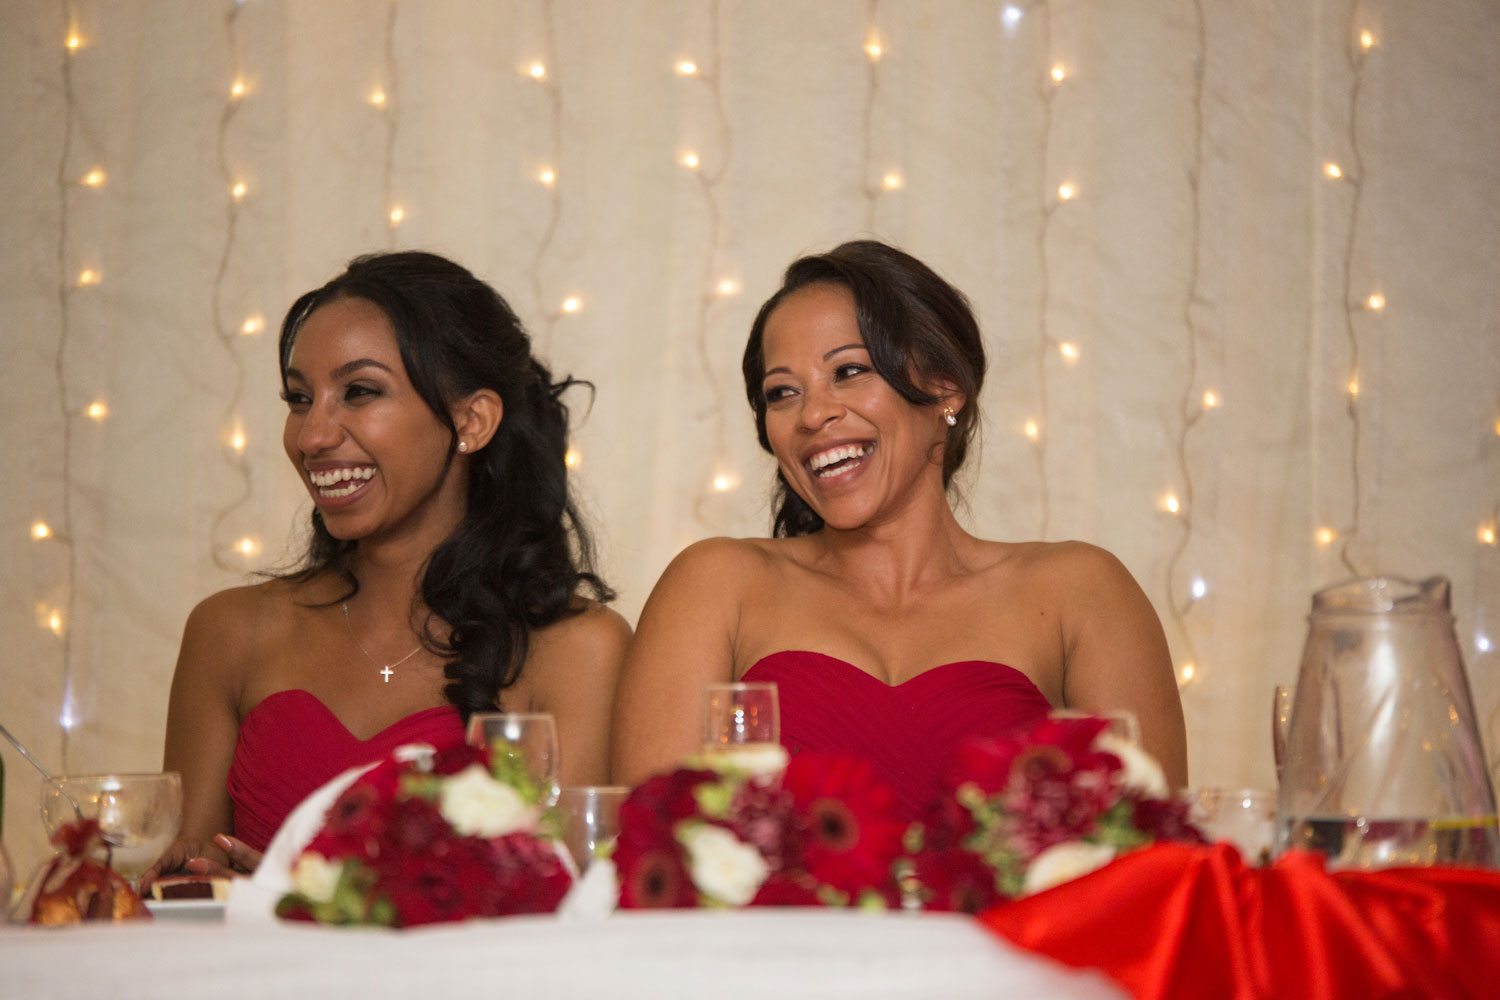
(1135, 195)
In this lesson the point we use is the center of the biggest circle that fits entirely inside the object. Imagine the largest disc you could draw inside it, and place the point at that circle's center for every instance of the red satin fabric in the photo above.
(908, 732)
(291, 744)
(1177, 921)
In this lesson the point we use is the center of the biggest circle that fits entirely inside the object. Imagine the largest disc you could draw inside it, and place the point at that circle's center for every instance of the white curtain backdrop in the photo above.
(1135, 194)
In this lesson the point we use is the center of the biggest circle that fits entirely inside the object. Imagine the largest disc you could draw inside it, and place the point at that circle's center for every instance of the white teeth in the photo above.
(824, 459)
(333, 477)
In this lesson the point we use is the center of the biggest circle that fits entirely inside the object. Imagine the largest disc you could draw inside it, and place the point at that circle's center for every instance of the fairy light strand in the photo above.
(1355, 178)
(1193, 404)
(708, 77)
(227, 332)
(390, 107)
(548, 178)
(1047, 89)
(871, 191)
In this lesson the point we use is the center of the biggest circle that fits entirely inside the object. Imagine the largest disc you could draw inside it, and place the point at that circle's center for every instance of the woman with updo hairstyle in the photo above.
(892, 633)
(447, 570)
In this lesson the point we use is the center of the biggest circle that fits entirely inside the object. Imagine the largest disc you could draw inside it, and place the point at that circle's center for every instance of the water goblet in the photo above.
(1245, 817)
(139, 815)
(591, 820)
(530, 738)
(743, 726)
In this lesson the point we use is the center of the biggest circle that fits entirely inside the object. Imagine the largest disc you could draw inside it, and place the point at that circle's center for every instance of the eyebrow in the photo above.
(782, 369)
(345, 369)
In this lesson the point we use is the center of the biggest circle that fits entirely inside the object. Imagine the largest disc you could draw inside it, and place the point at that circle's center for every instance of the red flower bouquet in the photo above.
(823, 832)
(458, 834)
(1028, 812)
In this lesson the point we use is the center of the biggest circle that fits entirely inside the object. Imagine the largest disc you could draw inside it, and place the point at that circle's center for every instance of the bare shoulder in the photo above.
(595, 634)
(241, 622)
(1072, 569)
(723, 561)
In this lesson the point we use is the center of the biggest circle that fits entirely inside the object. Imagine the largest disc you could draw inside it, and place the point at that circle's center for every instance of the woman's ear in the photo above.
(476, 417)
(950, 397)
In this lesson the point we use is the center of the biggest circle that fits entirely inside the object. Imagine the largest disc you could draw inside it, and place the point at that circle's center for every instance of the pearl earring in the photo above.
(463, 446)
(948, 417)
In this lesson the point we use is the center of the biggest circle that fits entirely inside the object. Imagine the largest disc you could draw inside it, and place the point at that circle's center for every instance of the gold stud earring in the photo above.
(948, 417)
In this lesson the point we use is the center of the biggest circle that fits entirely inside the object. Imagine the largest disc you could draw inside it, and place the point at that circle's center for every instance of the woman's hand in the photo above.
(242, 859)
(174, 860)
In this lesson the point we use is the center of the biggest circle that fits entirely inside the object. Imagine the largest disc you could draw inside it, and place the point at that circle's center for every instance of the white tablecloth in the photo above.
(773, 954)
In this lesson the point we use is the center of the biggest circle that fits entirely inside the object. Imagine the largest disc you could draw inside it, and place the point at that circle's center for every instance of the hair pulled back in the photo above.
(918, 329)
(520, 556)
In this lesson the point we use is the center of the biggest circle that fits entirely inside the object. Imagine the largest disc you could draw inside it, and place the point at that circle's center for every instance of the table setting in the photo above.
(1055, 862)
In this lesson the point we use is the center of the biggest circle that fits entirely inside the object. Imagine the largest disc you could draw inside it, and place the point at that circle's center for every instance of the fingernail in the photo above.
(195, 865)
(223, 841)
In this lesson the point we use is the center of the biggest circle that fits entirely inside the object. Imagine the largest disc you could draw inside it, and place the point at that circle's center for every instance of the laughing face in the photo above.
(371, 453)
(847, 442)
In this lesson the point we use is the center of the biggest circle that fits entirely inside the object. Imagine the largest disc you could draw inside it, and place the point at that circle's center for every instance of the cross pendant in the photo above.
(387, 671)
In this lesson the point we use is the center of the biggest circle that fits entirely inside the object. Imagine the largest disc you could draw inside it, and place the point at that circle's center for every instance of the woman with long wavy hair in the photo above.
(447, 573)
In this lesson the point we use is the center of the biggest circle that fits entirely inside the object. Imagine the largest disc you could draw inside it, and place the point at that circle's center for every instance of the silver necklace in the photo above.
(386, 670)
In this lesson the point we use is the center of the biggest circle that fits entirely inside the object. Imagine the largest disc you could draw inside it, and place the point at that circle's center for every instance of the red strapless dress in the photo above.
(291, 744)
(909, 732)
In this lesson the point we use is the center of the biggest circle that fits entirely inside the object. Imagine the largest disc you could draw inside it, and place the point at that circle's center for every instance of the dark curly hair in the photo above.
(918, 329)
(522, 554)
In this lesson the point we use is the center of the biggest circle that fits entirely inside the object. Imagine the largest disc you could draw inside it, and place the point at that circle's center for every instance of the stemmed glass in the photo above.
(528, 737)
(742, 726)
(591, 820)
(139, 814)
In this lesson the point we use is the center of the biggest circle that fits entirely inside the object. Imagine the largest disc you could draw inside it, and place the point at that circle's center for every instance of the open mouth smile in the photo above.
(839, 459)
(332, 484)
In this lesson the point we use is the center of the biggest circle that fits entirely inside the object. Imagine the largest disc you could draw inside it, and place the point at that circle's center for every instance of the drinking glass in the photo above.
(139, 814)
(1121, 723)
(741, 718)
(1245, 817)
(527, 737)
(591, 820)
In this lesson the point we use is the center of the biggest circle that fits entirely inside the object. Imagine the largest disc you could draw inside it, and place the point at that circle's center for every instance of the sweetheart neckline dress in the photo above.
(909, 732)
(291, 743)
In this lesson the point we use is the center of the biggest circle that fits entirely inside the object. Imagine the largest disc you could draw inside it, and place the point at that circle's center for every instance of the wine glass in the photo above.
(1245, 817)
(742, 726)
(529, 738)
(591, 819)
(1121, 723)
(139, 814)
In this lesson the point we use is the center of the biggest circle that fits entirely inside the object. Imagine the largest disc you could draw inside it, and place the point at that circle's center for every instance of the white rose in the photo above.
(758, 760)
(722, 865)
(474, 803)
(1142, 773)
(315, 877)
(1064, 862)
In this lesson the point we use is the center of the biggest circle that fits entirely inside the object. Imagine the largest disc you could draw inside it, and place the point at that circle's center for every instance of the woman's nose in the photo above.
(819, 406)
(320, 430)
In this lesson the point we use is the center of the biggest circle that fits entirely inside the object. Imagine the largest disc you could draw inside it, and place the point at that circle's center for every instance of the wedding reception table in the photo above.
(782, 954)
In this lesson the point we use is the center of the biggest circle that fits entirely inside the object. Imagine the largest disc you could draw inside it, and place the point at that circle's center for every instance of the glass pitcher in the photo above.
(1379, 757)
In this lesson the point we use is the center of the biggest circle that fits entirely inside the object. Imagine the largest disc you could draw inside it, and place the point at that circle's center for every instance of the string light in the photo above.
(537, 71)
(1171, 504)
(237, 89)
(73, 42)
(723, 483)
(238, 191)
(55, 622)
(1497, 426)
(1210, 399)
(690, 160)
(398, 215)
(94, 178)
(1059, 73)
(1482, 642)
(892, 181)
(1010, 18)
(1069, 351)
(377, 97)
(88, 276)
(1186, 673)
(1352, 387)
(40, 530)
(1375, 302)
(1199, 588)
(687, 67)
(727, 286)
(96, 410)
(547, 176)
(248, 546)
(1332, 170)
(1487, 534)
(1367, 40)
(571, 304)
(873, 49)
(1031, 430)
(237, 437)
(572, 458)
(1066, 192)
(254, 323)
(1325, 536)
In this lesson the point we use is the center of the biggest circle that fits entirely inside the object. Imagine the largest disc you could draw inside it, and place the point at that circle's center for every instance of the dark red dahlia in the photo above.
(844, 829)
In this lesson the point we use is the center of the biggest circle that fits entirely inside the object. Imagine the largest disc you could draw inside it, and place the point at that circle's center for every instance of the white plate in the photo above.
(194, 910)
